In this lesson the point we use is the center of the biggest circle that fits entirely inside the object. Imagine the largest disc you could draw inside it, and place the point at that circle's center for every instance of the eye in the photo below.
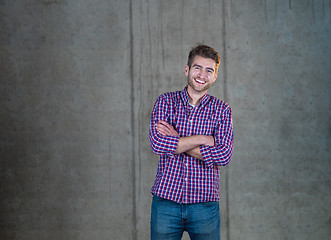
(196, 67)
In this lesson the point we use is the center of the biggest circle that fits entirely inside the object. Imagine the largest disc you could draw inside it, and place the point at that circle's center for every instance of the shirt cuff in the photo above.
(173, 143)
(206, 155)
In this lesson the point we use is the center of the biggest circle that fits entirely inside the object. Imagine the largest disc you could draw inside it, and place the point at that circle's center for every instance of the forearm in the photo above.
(190, 143)
(195, 152)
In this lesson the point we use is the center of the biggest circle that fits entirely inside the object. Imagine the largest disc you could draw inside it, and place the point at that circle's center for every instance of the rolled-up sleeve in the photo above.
(220, 154)
(161, 145)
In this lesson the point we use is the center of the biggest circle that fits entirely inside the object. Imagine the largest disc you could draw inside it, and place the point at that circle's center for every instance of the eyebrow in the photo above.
(209, 68)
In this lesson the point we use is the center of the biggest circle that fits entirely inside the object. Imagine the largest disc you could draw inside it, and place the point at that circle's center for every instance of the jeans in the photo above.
(169, 220)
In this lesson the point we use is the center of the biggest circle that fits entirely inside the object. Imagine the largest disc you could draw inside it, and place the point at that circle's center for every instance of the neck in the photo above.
(195, 96)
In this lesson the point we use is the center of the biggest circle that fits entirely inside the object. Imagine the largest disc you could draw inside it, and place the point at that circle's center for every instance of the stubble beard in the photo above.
(190, 82)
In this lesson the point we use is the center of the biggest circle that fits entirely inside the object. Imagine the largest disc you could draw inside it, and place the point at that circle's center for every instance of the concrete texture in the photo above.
(78, 83)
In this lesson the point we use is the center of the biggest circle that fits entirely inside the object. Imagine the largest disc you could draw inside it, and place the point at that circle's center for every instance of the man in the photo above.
(193, 134)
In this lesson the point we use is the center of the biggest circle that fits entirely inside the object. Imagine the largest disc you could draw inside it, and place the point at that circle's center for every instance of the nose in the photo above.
(202, 73)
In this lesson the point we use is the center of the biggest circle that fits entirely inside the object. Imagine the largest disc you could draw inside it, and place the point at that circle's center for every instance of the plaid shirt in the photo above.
(182, 178)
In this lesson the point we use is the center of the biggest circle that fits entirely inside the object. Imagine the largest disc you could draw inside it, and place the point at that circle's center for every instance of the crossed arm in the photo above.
(190, 145)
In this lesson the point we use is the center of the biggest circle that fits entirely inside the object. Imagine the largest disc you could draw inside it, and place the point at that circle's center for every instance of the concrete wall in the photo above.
(78, 83)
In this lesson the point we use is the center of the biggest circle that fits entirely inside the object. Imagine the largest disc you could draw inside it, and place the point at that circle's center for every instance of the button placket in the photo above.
(191, 120)
(184, 178)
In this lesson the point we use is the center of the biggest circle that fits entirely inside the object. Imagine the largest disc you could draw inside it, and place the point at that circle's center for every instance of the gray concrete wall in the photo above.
(78, 83)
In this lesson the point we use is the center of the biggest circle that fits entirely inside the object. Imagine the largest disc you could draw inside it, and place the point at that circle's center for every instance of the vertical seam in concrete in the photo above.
(225, 91)
(133, 135)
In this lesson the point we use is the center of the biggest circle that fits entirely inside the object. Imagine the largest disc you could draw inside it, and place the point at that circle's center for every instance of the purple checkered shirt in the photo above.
(182, 178)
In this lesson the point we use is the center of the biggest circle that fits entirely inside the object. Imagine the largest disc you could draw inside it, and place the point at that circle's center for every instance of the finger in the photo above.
(165, 127)
(162, 129)
(172, 131)
(166, 131)
(164, 123)
(160, 126)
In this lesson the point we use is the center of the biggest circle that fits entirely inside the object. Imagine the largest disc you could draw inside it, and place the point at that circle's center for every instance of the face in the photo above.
(201, 75)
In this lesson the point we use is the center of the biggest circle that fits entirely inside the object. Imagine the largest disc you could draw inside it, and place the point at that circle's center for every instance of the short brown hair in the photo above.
(203, 51)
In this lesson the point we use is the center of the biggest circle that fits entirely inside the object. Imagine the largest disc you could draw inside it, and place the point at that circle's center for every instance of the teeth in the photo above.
(199, 81)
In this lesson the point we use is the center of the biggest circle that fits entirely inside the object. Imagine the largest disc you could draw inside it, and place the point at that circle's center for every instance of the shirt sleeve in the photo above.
(220, 154)
(161, 145)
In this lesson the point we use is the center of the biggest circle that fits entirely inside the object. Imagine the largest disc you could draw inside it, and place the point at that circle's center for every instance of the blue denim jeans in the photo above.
(169, 220)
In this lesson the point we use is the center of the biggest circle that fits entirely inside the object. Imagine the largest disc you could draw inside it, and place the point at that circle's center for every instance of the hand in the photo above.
(166, 129)
(210, 141)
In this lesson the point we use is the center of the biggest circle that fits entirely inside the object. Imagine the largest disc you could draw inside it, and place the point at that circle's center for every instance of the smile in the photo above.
(199, 81)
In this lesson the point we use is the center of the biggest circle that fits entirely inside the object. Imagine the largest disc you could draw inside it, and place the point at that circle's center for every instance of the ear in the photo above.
(186, 70)
(215, 76)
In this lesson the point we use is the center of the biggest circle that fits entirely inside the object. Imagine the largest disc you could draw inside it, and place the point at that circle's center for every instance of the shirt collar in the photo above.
(186, 97)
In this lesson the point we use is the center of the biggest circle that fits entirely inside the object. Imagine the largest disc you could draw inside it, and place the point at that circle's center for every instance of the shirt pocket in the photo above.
(207, 122)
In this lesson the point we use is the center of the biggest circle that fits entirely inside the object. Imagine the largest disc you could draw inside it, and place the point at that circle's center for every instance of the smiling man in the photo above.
(192, 133)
